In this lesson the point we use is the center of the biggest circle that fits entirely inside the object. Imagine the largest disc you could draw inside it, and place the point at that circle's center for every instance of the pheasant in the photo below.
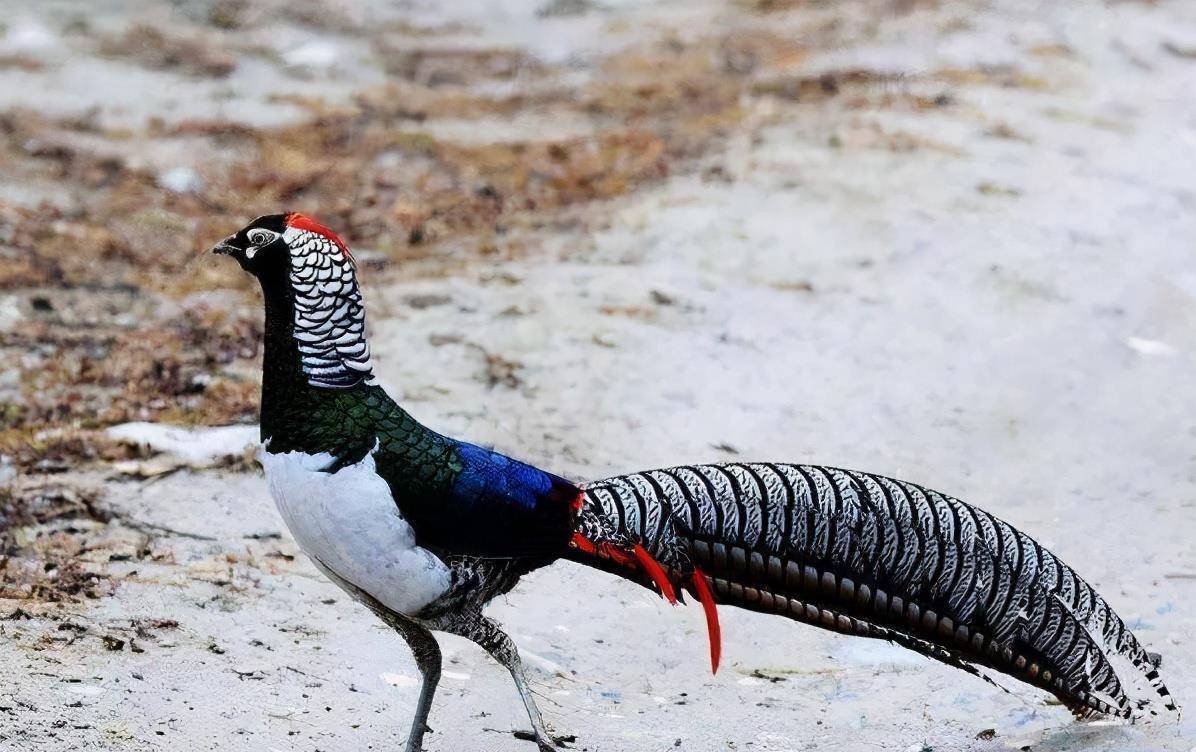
(424, 529)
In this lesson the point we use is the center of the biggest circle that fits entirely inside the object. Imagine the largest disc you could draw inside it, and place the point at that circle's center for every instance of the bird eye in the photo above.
(261, 237)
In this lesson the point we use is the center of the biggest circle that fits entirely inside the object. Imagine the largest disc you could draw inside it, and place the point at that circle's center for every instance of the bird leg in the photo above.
(423, 646)
(487, 633)
(427, 658)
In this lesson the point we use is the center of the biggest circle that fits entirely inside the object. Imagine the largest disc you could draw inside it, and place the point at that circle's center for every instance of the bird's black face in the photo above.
(259, 245)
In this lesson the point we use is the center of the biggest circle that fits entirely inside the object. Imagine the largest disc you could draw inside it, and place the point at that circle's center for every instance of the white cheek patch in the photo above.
(251, 251)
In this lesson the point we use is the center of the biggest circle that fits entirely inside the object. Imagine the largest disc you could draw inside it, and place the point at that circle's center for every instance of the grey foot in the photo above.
(415, 742)
(547, 744)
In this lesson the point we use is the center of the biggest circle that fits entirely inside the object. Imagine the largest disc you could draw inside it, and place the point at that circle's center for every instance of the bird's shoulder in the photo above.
(489, 475)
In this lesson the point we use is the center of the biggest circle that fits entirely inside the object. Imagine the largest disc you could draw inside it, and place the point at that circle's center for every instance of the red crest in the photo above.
(304, 222)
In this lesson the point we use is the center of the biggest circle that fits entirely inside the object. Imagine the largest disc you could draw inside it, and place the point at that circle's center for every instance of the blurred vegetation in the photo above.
(124, 319)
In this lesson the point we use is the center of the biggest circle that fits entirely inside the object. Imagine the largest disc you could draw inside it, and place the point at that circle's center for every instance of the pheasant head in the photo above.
(313, 301)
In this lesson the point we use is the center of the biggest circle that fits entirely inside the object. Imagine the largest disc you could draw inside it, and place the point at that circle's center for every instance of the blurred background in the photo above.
(949, 241)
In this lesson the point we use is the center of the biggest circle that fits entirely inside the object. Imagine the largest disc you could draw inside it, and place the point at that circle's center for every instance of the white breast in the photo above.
(349, 522)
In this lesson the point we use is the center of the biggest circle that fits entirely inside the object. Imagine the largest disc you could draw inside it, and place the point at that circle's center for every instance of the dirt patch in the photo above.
(102, 289)
(102, 284)
(45, 530)
(158, 48)
(49, 451)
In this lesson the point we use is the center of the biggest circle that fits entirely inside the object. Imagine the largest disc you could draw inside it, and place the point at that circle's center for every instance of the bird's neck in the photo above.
(293, 401)
(283, 380)
(306, 415)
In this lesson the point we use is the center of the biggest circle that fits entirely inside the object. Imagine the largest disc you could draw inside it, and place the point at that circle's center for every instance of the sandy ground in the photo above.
(996, 299)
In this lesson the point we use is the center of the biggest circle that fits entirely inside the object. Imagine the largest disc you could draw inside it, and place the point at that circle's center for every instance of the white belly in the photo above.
(348, 522)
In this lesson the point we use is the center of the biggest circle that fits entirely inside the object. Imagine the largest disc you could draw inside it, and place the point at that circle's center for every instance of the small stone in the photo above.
(313, 55)
(180, 180)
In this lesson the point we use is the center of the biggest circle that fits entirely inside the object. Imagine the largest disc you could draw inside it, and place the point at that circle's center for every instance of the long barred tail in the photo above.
(871, 556)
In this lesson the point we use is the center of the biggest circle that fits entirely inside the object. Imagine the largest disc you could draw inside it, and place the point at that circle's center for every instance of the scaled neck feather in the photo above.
(328, 323)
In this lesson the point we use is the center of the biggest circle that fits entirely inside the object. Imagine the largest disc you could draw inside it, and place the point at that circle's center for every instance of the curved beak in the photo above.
(225, 247)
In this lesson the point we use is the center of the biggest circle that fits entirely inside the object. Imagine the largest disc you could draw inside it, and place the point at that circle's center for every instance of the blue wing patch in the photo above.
(490, 475)
(499, 506)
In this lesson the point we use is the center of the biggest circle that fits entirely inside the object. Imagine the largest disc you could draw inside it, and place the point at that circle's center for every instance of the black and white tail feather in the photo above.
(875, 557)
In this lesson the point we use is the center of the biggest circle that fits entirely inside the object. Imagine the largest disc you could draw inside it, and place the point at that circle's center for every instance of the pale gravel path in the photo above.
(1027, 346)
